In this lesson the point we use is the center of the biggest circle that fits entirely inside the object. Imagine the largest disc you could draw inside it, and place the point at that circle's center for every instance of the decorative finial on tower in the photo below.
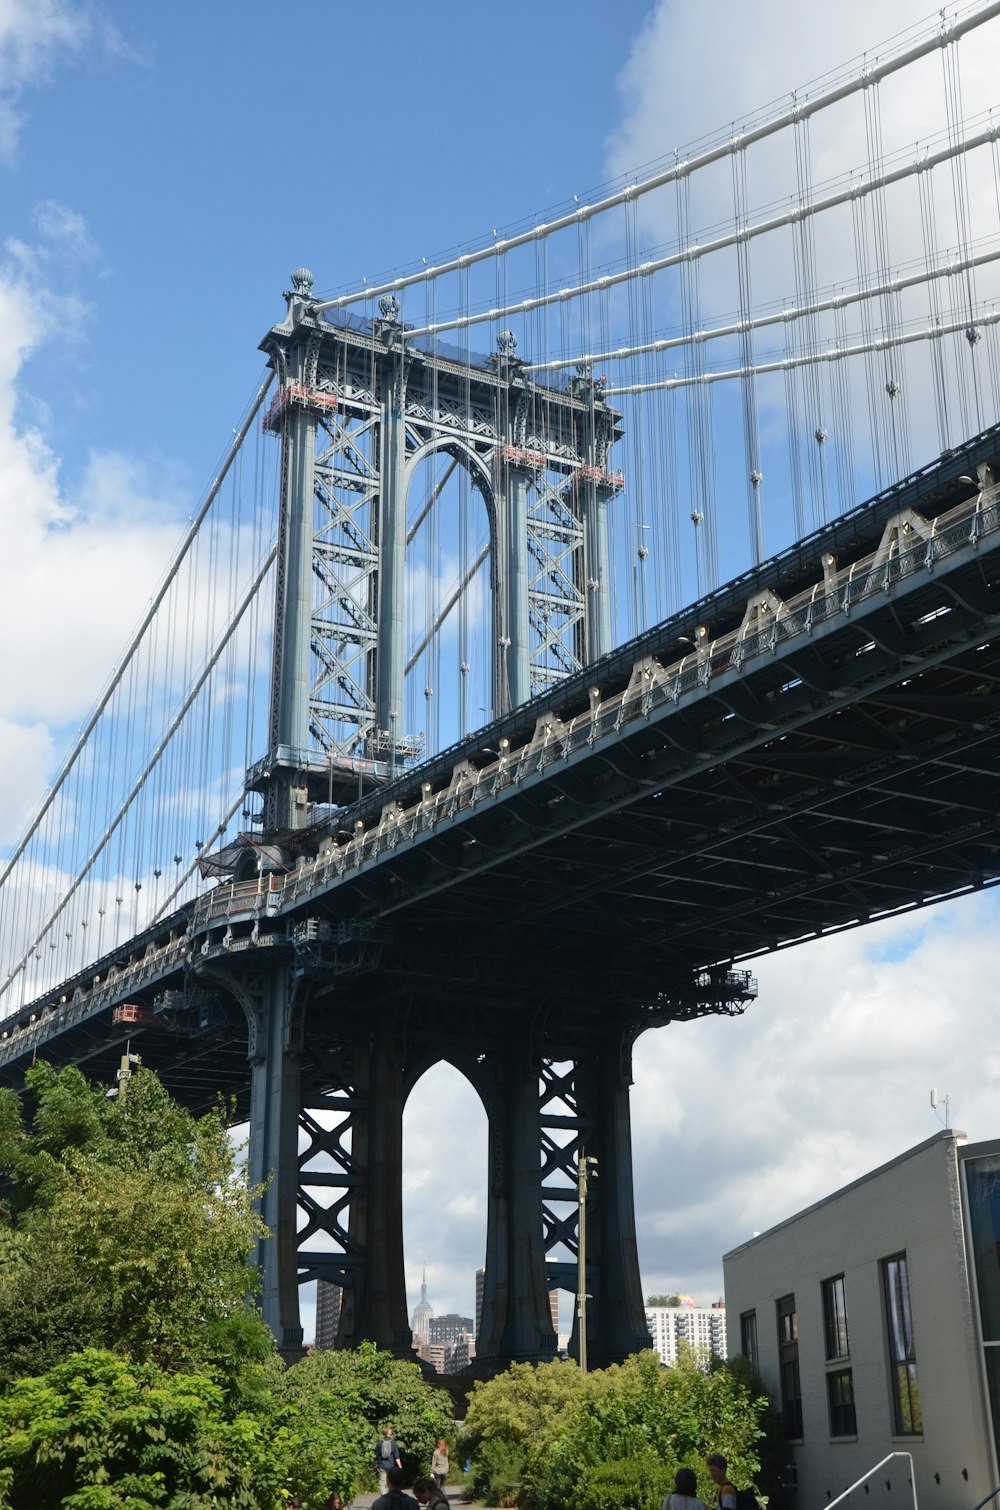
(506, 343)
(298, 298)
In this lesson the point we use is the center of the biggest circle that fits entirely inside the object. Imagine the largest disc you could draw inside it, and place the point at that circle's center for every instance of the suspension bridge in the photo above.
(570, 622)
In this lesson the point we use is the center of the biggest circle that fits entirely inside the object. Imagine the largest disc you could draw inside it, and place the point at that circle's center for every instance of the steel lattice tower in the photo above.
(357, 409)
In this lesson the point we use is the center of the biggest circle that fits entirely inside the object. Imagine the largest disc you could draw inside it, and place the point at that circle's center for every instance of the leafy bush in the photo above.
(334, 1406)
(510, 1426)
(549, 1437)
(96, 1433)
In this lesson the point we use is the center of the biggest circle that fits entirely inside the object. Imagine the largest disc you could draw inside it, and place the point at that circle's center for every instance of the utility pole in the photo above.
(129, 1063)
(584, 1165)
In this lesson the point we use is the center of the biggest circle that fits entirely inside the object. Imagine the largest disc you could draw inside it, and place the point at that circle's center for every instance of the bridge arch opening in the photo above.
(445, 1146)
(450, 614)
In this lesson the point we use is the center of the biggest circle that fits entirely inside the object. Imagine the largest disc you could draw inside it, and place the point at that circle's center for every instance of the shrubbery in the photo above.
(132, 1371)
(549, 1437)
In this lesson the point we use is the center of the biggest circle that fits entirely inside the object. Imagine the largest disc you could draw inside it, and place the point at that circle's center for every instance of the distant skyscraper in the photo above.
(448, 1328)
(480, 1286)
(423, 1312)
(327, 1313)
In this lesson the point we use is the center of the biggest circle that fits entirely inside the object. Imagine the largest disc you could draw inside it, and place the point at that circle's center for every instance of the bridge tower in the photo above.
(357, 408)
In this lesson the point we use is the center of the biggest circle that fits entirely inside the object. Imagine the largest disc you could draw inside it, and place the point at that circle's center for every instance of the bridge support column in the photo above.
(390, 669)
(597, 572)
(514, 659)
(275, 1036)
(516, 1321)
(289, 721)
(616, 1315)
(374, 1308)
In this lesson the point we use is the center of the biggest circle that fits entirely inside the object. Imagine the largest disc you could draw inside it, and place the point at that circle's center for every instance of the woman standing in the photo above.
(685, 1495)
(439, 1463)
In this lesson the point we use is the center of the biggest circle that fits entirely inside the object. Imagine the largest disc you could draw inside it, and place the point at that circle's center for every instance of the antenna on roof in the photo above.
(934, 1108)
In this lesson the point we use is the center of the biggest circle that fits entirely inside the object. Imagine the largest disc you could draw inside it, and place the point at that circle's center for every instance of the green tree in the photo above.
(772, 1448)
(336, 1404)
(129, 1227)
(98, 1433)
(548, 1437)
(511, 1425)
(663, 1300)
(638, 1422)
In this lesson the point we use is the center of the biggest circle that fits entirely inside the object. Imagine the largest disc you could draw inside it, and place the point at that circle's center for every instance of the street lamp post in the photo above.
(584, 1165)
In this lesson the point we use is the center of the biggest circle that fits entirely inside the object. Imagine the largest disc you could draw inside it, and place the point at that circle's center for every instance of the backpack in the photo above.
(387, 1451)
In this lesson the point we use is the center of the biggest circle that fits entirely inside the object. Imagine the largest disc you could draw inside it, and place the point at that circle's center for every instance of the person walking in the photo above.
(439, 1463)
(725, 1494)
(386, 1457)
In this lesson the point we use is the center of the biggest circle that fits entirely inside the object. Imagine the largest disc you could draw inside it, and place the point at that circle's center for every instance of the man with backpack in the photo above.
(725, 1494)
(386, 1456)
(726, 1497)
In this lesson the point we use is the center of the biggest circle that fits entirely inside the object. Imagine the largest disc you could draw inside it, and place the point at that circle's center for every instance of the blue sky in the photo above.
(162, 169)
(205, 151)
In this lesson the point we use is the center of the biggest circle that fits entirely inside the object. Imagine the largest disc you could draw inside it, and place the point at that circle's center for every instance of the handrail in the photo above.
(864, 1476)
(991, 1496)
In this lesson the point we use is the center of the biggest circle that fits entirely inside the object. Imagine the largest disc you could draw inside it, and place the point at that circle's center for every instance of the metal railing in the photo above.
(651, 685)
(865, 1476)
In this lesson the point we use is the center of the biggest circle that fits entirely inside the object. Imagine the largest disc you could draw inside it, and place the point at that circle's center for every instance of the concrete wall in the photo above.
(911, 1205)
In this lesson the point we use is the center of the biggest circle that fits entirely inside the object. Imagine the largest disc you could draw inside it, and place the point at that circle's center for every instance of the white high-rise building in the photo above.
(702, 1327)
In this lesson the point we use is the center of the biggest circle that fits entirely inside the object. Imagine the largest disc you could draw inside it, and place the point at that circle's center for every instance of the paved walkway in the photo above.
(456, 1497)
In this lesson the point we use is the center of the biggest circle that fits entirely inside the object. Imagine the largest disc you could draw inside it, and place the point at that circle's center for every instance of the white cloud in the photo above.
(444, 1189)
(67, 233)
(80, 568)
(738, 1124)
(35, 35)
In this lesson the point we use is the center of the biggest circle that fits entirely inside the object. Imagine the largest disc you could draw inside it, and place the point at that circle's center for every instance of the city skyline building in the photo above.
(449, 1328)
(701, 1327)
(328, 1298)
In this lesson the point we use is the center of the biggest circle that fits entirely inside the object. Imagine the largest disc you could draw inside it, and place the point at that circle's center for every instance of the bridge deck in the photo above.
(605, 854)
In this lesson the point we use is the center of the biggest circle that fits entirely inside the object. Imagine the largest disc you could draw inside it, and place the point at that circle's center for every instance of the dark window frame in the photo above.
(901, 1348)
(748, 1339)
(788, 1359)
(840, 1403)
(835, 1333)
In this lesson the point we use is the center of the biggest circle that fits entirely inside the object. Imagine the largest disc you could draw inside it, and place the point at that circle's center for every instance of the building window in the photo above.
(983, 1177)
(840, 1396)
(748, 1338)
(835, 1318)
(902, 1354)
(788, 1354)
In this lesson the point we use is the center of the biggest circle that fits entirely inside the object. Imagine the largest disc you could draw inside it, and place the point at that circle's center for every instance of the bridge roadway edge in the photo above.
(142, 982)
(808, 778)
